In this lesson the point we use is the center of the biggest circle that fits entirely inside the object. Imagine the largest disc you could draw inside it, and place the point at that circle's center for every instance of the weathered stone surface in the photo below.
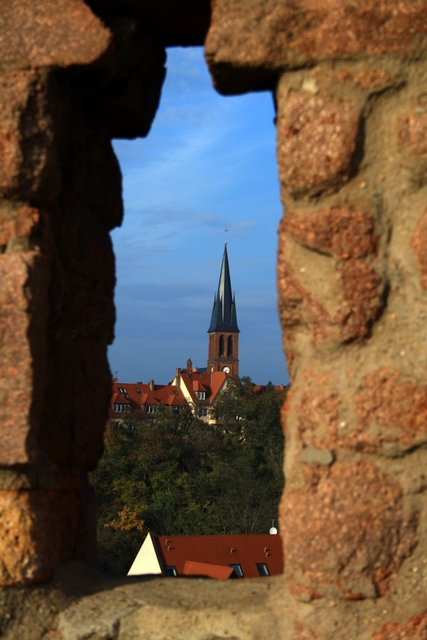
(362, 293)
(348, 236)
(28, 154)
(302, 632)
(415, 629)
(345, 533)
(367, 79)
(388, 414)
(249, 42)
(316, 140)
(17, 222)
(23, 317)
(413, 130)
(396, 405)
(297, 307)
(127, 104)
(340, 232)
(38, 530)
(419, 246)
(311, 455)
(205, 610)
(43, 33)
(79, 405)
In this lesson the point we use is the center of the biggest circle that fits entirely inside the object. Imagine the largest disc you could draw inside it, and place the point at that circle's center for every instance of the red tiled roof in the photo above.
(210, 383)
(138, 394)
(217, 380)
(209, 570)
(244, 550)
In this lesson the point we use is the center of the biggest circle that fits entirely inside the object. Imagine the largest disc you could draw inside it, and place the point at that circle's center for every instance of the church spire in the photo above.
(223, 347)
(224, 317)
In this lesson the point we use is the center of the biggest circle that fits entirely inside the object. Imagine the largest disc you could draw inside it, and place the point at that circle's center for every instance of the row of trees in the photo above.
(175, 475)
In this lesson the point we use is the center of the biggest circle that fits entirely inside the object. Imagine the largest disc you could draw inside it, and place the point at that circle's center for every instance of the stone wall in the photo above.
(348, 80)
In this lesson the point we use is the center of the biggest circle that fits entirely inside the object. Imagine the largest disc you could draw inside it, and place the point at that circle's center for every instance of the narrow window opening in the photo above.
(230, 346)
(221, 346)
(238, 569)
(262, 569)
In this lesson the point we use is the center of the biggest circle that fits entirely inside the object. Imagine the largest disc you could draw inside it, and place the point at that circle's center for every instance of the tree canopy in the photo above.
(173, 474)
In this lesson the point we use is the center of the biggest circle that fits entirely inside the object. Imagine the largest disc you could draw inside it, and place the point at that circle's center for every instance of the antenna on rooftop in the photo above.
(225, 236)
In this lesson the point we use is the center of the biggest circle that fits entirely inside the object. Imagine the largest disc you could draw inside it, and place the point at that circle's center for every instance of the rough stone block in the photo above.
(38, 530)
(388, 413)
(23, 315)
(340, 232)
(298, 307)
(28, 156)
(79, 405)
(413, 130)
(344, 533)
(316, 140)
(414, 629)
(17, 222)
(250, 41)
(348, 236)
(419, 246)
(45, 33)
(362, 292)
(127, 104)
(395, 404)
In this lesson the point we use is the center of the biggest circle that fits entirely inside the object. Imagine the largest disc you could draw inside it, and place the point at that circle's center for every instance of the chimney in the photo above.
(189, 365)
(177, 375)
(151, 385)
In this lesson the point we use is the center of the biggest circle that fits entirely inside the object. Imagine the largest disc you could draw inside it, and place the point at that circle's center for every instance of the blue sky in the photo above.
(208, 163)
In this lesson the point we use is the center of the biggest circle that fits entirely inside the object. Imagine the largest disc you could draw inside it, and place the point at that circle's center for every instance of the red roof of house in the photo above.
(210, 383)
(138, 395)
(245, 550)
(208, 570)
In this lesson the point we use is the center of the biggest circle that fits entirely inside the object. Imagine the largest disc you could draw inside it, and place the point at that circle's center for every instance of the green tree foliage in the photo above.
(173, 474)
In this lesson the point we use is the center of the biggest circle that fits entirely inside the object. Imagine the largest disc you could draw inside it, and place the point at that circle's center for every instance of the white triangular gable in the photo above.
(146, 561)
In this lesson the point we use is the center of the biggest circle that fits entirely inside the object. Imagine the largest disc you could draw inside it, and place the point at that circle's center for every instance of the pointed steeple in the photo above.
(224, 316)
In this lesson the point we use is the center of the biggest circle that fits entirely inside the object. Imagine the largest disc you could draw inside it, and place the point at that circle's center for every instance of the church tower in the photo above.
(223, 349)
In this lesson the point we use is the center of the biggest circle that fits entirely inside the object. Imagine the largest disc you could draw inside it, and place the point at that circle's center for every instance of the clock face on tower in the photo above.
(226, 369)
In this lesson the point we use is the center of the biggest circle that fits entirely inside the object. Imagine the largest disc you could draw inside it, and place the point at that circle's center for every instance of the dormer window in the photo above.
(149, 408)
(137, 390)
(262, 569)
(201, 395)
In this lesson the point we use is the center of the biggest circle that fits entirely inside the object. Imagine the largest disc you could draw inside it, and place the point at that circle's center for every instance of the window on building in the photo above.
(221, 346)
(171, 572)
(117, 408)
(203, 412)
(122, 390)
(201, 395)
(137, 390)
(238, 569)
(230, 346)
(149, 408)
(262, 569)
